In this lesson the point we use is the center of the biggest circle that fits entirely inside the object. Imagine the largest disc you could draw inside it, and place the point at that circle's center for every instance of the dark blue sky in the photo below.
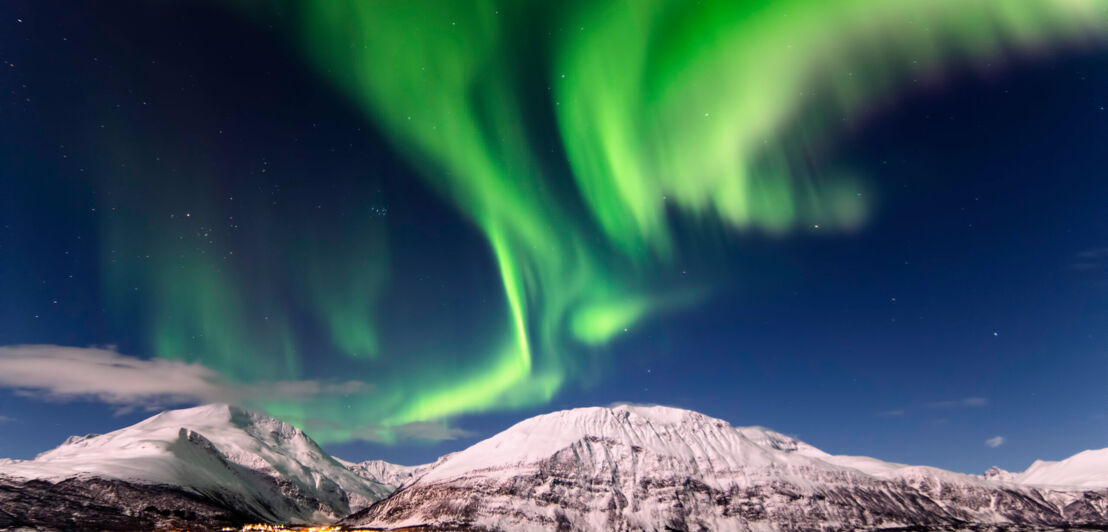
(971, 305)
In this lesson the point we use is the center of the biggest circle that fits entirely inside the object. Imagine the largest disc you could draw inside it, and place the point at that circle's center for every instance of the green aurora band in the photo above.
(576, 137)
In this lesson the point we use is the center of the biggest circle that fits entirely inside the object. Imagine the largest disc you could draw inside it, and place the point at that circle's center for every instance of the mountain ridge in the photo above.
(623, 467)
(253, 464)
(632, 467)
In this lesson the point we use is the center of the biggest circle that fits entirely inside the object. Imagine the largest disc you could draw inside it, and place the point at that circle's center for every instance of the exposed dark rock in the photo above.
(99, 504)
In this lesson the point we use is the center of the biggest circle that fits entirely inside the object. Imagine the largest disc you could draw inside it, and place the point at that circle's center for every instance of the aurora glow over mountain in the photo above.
(531, 188)
(663, 110)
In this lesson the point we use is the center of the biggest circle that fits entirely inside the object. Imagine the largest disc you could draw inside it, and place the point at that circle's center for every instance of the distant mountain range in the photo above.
(618, 468)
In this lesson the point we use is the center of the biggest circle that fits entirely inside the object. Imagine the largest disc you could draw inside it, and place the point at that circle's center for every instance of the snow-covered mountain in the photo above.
(997, 474)
(391, 475)
(619, 468)
(1085, 470)
(652, 468)
(253, 465)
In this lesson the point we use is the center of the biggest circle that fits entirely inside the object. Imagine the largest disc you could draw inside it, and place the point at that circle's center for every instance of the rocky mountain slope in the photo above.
(91, 503)
(216, 463)
(655, 468)
(618, 468)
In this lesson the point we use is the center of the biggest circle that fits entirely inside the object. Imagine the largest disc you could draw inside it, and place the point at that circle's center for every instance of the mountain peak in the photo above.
(213, 415)
(1086, 469)
(623, 466)
(389, 474)
(622, 413)
(629, 466)
(669, 416)
(694, 440)
(275, 470)
(997, 474)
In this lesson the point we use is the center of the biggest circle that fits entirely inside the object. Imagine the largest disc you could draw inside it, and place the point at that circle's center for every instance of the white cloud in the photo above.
(332, 430)
(965, 402)
(994, 442)
(1091, 259)
(618, 404)
(64, 373)
(891, 413)
(419, 430)
(60, 373)
(6, 419)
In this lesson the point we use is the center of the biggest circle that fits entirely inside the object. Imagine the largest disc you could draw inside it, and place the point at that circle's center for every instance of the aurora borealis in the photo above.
(662, 110)
(480, 207)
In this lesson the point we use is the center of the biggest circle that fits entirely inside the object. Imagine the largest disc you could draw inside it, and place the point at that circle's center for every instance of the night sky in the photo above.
(404, 226)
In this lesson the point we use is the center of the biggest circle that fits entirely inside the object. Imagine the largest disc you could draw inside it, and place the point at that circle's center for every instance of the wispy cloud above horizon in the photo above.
(995, 441)
(61, 373)
(127, 384)
(946, 404)
(1091, 259)
(965, 402)
(419, 430)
